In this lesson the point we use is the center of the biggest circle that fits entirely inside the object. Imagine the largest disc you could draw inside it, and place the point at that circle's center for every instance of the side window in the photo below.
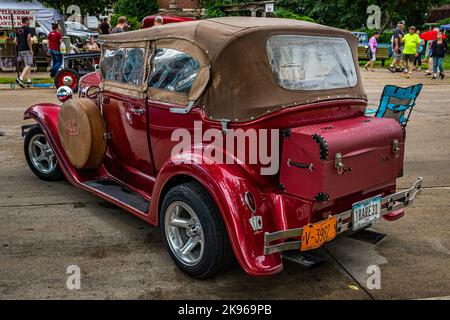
(125, 65)
(173, 71)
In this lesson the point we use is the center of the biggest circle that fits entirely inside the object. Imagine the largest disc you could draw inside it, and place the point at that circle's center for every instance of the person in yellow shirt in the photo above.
(411, 44)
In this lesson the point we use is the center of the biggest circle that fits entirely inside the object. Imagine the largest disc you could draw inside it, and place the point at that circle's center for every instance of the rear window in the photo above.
(311, 63)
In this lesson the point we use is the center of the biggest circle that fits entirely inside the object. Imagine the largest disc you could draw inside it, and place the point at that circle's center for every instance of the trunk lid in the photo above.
(329, 160)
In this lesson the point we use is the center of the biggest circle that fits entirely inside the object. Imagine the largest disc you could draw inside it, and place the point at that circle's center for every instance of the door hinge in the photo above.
(107, 135)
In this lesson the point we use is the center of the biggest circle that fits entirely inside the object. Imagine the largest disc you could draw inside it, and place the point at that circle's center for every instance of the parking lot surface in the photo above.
(46, 227)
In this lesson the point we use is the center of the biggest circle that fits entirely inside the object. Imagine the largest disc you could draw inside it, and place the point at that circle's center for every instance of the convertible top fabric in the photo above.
(242, 86)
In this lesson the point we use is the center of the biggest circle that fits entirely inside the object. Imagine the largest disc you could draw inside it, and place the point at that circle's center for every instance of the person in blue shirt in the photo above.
(418, 59)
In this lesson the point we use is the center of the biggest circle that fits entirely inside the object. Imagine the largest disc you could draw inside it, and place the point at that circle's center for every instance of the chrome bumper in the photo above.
(389, 204)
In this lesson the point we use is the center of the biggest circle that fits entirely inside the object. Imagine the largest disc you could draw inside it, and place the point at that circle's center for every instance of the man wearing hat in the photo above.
(411, 44)
(397, 47)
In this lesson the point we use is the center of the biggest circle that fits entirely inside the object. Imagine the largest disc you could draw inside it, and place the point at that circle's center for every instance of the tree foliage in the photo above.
(349, 14)
(136, 8)
(92, 7)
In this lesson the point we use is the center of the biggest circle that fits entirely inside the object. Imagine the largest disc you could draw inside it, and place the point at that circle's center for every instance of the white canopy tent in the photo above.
(44, 16)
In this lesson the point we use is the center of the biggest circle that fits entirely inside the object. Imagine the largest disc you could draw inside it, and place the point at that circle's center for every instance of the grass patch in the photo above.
(424, 63)
(9, 80)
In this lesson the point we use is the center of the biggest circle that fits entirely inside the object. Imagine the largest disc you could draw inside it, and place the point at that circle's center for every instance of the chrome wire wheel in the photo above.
(184, 233)
(41, 154)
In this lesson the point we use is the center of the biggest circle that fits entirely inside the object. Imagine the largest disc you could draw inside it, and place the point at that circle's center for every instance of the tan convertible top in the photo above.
(241, 85)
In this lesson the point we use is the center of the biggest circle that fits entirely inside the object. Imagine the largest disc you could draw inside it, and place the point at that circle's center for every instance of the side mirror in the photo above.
(64, 93)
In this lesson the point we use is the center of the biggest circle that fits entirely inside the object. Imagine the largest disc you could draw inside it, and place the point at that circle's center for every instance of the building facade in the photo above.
(181, 4)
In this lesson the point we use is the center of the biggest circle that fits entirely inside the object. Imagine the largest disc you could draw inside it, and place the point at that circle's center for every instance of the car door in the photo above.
(125, 113)
(176, 79)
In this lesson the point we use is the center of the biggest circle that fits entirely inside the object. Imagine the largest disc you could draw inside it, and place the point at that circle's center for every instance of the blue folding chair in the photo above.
(397, 103)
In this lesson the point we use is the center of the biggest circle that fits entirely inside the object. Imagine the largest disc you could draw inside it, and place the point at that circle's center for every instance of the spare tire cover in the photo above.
(81, 130)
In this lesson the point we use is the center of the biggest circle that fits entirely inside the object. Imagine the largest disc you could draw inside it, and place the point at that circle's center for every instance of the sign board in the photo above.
(5, 18)
(269, 7)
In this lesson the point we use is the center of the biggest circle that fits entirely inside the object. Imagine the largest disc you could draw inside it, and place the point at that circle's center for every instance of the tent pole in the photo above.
(16, 62)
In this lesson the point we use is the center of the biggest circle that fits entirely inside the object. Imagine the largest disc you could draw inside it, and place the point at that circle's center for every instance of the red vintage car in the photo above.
(241, 138)
(149, 21)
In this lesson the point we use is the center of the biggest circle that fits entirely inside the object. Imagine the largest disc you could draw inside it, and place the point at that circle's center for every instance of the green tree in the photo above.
(281, 12)
(351, 14)
(136, 8)
(348, 14)
(92, 7)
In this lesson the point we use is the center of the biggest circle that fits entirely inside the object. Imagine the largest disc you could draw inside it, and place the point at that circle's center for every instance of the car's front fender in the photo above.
(46, 115)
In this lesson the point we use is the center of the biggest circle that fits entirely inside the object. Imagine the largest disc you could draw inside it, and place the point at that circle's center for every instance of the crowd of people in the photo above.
(23, 44)
(408, 50)
(122, 25)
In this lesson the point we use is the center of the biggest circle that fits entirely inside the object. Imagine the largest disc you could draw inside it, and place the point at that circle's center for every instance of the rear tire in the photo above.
(40, 156)
(189, 215)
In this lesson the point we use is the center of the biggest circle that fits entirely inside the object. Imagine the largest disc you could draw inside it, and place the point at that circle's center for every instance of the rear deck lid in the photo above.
(333, 159)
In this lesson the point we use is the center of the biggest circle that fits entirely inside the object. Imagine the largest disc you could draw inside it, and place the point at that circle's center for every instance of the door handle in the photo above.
(137, 111)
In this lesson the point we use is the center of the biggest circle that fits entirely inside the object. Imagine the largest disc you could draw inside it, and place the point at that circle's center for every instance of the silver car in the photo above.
(75, 30)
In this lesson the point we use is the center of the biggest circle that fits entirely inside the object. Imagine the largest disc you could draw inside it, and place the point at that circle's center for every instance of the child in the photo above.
(373, 44)
(438, 50)
(418, 59)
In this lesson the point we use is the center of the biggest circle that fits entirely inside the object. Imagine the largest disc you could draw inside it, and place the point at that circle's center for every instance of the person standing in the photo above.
(25, 49)
(159, 21)
(438, 50)
(397, 47)
(54, 48)
(418, 59)
(411, 43)
(373, 44)
(104, 27)
(92, 46)
(429, 54)
(121, 25)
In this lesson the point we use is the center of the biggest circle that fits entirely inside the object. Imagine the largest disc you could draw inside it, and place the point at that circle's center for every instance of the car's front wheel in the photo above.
(40, 157)
(194, 232)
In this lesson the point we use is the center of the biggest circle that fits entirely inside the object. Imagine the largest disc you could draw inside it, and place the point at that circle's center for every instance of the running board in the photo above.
(368, 236)
(120, 193)
(306, 260)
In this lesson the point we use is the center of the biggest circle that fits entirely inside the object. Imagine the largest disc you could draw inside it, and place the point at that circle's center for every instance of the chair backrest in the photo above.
(397, 102)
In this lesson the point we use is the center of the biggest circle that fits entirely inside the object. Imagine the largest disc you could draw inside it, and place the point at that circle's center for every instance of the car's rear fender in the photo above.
(227, 185)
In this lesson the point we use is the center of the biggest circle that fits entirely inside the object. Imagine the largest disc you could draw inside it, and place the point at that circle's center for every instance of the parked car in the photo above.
(74, 66)
(149, 21)
(78, 32)
(384, 50)
(166, 130)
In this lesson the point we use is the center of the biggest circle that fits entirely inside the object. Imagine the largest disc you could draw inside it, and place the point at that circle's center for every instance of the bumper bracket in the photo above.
(390, 203)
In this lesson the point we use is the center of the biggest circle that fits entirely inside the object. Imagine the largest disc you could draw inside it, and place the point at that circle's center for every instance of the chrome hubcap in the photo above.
(68, 81)
(184, 233)
(41, 154)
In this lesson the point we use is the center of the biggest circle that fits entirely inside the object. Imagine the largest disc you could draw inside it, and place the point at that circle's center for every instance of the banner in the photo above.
(5, 18)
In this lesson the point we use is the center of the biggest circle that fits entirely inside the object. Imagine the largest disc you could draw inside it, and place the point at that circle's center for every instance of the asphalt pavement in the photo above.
(47, 227)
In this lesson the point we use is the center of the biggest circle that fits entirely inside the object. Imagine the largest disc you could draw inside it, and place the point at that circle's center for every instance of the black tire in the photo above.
(67, 72)
(218, 254)
(56, 174)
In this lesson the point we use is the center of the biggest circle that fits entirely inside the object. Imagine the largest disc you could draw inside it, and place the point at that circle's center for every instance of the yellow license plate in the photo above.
(315, 235)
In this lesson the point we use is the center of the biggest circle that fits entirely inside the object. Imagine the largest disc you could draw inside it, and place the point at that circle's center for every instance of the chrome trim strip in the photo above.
(390, 203)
